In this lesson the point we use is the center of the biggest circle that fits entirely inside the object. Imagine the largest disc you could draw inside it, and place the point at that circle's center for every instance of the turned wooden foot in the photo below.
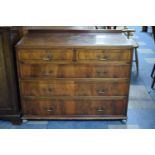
(24, 120)
(124, 121)
(16, 121)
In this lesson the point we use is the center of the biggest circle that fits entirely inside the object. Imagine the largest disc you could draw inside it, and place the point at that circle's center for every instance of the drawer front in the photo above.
(41, 107)
(73, 71)
(105, 55)
(105, 88)
(43, 88)
(74, 107)
(45, 55)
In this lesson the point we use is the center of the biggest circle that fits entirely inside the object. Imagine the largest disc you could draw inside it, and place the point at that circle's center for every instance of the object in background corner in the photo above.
(153, 76)
(9, 105)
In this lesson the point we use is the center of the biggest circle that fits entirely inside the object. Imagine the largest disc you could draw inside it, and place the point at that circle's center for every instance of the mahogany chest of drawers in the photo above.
(74, 74)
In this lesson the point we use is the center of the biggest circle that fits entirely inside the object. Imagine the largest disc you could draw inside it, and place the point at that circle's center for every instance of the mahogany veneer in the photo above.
(74, 74)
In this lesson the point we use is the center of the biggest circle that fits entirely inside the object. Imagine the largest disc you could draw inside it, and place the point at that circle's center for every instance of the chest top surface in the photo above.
(74, 38)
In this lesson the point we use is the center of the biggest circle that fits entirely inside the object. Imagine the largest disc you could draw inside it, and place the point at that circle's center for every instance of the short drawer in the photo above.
(74, 88)
(105, 55)
(73, 71)
(74, 107)
(45, 55)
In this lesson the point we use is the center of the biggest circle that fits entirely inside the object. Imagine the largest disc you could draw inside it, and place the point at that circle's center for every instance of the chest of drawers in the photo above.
(74, 74)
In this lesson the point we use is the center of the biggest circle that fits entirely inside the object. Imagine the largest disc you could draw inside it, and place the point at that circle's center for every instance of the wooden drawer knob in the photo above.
(47, 57)
(101, 91)
(49, 90)
(104, 58)
(100, 109)
(46, 73)
(101, 73)
(51, 109)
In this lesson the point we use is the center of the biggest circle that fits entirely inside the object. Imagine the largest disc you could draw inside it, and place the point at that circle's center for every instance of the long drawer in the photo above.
(74, 88)
(47, 70)
(74, 107)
